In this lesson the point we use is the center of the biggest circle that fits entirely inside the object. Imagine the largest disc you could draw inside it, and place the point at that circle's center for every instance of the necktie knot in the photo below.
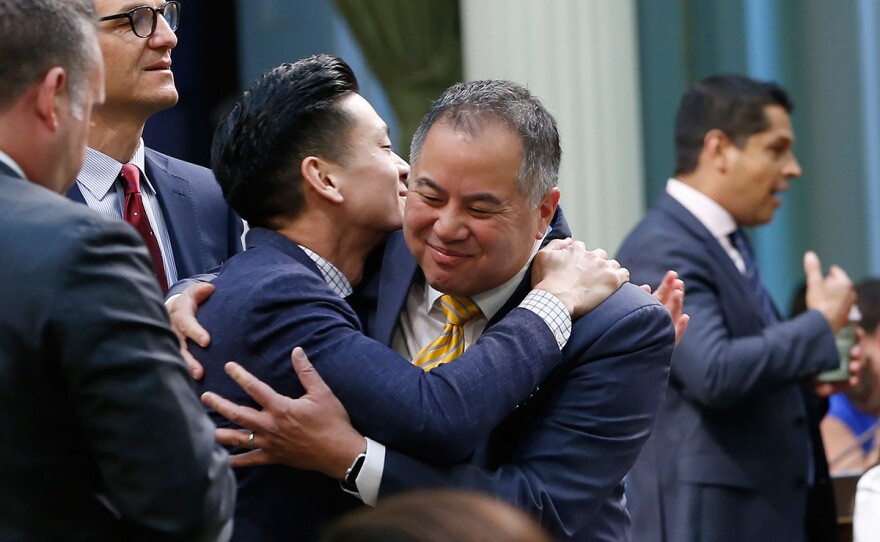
(458, 310)
(132, 179)
(450, 344)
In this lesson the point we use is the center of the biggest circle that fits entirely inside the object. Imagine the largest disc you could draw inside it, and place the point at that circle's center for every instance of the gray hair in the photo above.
(41, 34)
(467, 107)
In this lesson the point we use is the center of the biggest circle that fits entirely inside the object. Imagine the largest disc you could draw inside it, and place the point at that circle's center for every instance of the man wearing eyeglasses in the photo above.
(177, 207)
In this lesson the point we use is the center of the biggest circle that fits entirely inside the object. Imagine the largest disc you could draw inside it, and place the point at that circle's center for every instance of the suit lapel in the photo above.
(731, 276)
(397, 275)
(176, 201)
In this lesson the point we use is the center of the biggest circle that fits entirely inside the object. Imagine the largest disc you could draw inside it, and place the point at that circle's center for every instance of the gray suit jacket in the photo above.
(101, 435)
(730, 454)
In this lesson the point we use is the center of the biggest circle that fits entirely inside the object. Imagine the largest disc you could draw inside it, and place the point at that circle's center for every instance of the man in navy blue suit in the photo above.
(481, 202)
(321, 187)
(191, 225)
(736, 453)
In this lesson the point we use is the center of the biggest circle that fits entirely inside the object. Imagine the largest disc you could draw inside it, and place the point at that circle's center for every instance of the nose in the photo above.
(450, 225)
(403, 170)
(163, 37)
(792, 168)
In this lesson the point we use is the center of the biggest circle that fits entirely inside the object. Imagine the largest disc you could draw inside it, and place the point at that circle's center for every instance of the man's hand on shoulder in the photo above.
(580, 278)
(182, 310)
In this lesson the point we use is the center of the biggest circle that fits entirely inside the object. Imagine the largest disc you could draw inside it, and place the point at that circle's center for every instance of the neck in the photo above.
(329, 237)
(117, 136)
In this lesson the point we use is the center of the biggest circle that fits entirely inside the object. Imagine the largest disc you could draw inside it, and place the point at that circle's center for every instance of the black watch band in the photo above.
(349, 483)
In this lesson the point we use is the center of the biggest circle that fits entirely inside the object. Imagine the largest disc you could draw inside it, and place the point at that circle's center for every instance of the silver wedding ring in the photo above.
(251, 441)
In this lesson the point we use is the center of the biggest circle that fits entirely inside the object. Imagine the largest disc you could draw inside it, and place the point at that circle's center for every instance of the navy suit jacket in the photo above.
(102, 436)
(271, 298)
(729, 456)
(562, 454)
(204, 230)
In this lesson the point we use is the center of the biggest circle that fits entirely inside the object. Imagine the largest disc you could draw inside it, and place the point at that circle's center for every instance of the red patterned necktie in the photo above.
(135, 214)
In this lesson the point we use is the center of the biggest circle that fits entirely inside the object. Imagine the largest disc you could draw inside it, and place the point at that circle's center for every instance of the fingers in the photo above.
(308, 376)
(195, 368)
(240, 438)
(558, 244)
(237, 414)
(259, 391)
(601, 253)
(182, 311)
(813, 269)
(681, 326)
(252, 458)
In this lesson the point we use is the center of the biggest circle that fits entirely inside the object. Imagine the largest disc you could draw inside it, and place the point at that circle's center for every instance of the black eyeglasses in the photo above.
(143, 19)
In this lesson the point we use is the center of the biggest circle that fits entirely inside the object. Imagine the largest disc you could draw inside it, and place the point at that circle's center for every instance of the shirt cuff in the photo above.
(552, 311)
(370, 477)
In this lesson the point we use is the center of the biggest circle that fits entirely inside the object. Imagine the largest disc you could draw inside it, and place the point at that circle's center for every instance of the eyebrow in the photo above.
(483, 197)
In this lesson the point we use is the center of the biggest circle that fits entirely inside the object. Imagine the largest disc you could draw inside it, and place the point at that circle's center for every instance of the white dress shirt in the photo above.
(713, 216)
(866, 517)
(97, 182)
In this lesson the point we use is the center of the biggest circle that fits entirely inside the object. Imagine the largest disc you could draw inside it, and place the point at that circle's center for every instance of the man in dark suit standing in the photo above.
(735, 454)
(190, 229)
(482, 198)
(103, 439)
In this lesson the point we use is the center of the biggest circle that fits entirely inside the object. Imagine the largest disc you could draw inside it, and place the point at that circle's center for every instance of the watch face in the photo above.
(349, 483)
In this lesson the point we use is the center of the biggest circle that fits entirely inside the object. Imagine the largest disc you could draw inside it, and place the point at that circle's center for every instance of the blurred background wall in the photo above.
(612, 71)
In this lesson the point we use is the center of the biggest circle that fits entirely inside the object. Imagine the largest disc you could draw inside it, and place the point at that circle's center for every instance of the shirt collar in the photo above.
(332, 275)
(713, 216)
(99, 171)
(490, 301)
(6, 159)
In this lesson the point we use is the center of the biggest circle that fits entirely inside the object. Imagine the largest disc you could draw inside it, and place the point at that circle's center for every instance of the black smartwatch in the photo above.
(349, 483)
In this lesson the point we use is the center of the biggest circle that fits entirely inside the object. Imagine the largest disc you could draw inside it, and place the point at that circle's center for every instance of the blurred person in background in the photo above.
(849, 429)
(437, 516)
(736, 453)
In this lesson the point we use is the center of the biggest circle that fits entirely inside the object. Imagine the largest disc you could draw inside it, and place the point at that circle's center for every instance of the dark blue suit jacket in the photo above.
(561, 456)
(102, 436)
(204, 230)
(271, 298)
(729, 456)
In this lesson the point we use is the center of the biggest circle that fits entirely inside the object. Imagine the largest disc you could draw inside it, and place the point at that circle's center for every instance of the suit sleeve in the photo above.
(150, 436)
(441, 415)
(584, 434)
(713, 366)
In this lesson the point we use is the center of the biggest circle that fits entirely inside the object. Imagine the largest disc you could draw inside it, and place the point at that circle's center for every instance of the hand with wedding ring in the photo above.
(312, 432)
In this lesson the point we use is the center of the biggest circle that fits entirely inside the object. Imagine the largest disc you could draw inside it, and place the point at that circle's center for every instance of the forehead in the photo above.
(111, 7)
(367, 121)
(489, 153)
(779, 124)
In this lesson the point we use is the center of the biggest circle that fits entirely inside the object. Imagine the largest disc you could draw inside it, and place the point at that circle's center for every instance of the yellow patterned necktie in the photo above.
(450, 344)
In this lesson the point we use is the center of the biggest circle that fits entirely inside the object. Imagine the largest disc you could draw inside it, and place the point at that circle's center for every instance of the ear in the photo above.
(50, 91)
(716, 150)
(318, 175)
(547, 208)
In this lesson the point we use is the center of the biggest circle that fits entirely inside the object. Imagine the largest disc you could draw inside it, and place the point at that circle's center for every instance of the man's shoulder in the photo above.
(35, 211)
(178, 168)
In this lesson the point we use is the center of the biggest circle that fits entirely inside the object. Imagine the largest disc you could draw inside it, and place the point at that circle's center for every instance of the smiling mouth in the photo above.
(442, 255)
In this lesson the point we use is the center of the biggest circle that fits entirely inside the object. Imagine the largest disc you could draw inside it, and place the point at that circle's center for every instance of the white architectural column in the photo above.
(581, 58)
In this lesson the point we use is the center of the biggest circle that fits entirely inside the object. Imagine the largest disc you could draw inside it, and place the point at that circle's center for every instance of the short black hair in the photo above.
(291, 112)
(731, 103)
(38, 35)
